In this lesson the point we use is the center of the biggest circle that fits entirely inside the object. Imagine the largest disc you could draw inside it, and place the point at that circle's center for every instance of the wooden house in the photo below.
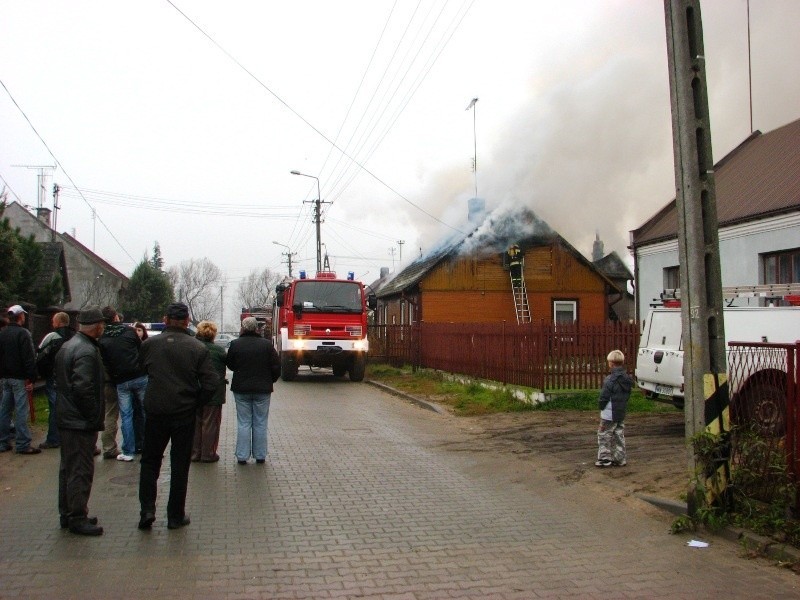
(468, 280)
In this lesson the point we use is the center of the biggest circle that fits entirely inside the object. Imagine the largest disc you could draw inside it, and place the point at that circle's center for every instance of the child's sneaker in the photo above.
(619, 464)
(603, 463)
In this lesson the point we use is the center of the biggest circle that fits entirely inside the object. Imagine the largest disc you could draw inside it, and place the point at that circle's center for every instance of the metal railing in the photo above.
(544, 356)
(764, 412)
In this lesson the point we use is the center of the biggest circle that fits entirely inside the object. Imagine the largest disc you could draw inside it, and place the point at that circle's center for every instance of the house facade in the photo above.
(469, 281)
(91, 279)
(758, 211)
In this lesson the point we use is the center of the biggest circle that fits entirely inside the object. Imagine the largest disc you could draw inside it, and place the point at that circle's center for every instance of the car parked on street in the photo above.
(224, 340)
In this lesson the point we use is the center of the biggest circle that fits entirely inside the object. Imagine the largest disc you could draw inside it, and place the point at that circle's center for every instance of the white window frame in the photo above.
(559, 305)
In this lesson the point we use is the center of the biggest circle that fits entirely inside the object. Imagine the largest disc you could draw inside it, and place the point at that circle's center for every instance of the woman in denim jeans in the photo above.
(256, 366)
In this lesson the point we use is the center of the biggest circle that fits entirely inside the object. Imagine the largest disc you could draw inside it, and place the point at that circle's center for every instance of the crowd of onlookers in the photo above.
(108, 378)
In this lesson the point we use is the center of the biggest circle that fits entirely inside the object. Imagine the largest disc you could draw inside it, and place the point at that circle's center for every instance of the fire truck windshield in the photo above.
(328, 296)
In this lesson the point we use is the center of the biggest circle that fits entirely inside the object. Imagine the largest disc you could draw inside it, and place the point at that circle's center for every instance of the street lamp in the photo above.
(288, 254)
(317, 218)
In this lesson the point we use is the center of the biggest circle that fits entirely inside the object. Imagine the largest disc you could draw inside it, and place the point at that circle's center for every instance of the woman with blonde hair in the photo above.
(209, 417)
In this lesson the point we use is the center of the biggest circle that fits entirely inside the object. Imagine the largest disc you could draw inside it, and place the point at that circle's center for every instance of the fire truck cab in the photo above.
(322, 322)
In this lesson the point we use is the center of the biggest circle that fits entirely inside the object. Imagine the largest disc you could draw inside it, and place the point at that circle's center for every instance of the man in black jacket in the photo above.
(17, 374)
(79, 382)
(181, 378)
(119, 346)
(45, 363)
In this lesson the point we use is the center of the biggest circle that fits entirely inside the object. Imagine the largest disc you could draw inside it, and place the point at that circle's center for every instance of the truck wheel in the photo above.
(288, 368)
(358, 368)
(762, 403)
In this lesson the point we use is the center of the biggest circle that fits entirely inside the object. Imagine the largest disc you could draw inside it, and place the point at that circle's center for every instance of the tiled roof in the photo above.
(759, 178)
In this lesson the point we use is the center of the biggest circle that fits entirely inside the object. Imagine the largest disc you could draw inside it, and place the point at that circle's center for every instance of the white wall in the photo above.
(740, 247)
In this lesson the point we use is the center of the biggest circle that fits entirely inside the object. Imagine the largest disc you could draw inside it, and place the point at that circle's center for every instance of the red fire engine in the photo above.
(322, 322)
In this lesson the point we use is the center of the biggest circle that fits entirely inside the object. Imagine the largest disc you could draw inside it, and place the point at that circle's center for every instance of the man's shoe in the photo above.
(110, 455)
(5, 448)
(122, 457)
(84, 527)
(603, 464)
(65, 521)
(261, 461)
(146, 520)
(48, 445)
(179, 522)
(29, 450)
(96, 451)
(213, 459)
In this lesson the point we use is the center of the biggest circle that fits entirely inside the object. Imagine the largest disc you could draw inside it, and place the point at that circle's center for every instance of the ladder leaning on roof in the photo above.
(520, 298)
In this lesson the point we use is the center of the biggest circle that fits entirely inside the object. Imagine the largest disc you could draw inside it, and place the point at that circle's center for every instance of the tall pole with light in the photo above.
(317, 217)
(288, 254)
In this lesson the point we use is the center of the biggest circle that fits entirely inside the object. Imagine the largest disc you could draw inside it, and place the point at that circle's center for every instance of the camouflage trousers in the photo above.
(611, 442)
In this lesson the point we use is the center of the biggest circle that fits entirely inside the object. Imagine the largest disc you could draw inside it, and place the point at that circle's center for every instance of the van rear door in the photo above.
(659, 362)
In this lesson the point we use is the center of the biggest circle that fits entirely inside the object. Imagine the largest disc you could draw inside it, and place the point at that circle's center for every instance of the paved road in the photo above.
(363, 495)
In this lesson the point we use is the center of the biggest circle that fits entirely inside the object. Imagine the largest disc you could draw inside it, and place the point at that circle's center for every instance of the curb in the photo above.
(413, 399)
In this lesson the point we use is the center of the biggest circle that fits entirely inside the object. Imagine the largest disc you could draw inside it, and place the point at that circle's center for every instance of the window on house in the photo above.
(565, 311)
(782, 267)
(672, 278)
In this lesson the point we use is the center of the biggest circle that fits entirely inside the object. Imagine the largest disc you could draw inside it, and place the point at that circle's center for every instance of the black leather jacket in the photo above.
(17, 354)
(181, 377)
(119, 346)
(79, 378)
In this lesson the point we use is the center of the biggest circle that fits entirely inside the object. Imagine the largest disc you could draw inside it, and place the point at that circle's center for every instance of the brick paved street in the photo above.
(362, 495)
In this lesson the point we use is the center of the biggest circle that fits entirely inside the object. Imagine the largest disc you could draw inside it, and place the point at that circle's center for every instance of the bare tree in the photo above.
(197, 283)
(257, 289)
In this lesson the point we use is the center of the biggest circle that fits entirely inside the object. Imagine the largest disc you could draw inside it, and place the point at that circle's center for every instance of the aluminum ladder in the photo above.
(521, 299)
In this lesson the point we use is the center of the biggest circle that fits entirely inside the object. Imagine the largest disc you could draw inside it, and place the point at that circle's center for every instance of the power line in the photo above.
(304, 120)
(58, 163)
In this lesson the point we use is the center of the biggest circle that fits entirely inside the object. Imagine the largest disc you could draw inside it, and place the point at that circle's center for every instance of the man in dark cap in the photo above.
(80, 380)
(181, 378)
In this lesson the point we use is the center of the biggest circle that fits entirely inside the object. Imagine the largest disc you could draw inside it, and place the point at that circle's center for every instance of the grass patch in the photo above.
(476, 399)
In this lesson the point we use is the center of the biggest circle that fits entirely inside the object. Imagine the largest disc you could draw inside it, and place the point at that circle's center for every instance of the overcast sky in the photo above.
(183, 128)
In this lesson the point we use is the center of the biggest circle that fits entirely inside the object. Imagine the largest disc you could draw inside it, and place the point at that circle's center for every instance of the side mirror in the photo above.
(297, 307)
(279, 298)
(372, 302)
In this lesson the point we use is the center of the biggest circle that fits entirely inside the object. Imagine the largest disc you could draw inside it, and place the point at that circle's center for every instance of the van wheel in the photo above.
(358, 368)
(762, 403)
(288, 367)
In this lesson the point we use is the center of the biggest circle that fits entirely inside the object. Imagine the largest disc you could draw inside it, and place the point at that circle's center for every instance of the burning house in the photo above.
(511, 267)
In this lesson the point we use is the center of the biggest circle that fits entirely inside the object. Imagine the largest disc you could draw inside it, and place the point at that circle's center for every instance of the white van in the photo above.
(659, 362)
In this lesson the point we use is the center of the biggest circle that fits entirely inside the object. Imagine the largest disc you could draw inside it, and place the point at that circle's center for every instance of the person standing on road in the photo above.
(256, 366)
(209, 417)
(45, 363)
(17, 373)
(80, 379)
(613, 404)
(120, 348)
(181, 378)
(108, 439)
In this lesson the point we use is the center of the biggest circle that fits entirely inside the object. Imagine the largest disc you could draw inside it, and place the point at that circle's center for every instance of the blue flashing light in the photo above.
(302, 274)
(351, 276)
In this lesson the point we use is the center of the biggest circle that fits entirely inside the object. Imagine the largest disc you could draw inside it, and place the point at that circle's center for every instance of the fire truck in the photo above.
(322, 322)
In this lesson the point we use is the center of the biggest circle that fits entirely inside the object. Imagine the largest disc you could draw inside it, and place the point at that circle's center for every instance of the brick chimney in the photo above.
(43, 214)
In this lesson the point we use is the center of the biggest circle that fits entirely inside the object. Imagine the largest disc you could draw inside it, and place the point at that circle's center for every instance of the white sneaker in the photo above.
(125, 457)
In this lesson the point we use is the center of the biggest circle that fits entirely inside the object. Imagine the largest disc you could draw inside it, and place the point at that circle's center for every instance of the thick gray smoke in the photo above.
(591, 150)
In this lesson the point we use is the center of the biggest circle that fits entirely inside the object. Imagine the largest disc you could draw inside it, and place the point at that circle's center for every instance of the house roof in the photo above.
(494, 235)
(94, 257)
(755, 180)
(612, 266)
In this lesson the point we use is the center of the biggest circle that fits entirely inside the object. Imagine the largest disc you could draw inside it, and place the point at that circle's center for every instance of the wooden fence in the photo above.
(543, 356)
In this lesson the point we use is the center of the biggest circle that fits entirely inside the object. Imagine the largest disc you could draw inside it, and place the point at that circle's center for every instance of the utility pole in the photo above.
(56, 207)
(400, 245)
(704, 369)
(222, 308)
(289, 254)
(317, 218)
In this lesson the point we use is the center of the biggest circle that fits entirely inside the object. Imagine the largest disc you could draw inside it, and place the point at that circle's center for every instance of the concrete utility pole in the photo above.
(400, 245)
(317, 219)
(704, 370)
